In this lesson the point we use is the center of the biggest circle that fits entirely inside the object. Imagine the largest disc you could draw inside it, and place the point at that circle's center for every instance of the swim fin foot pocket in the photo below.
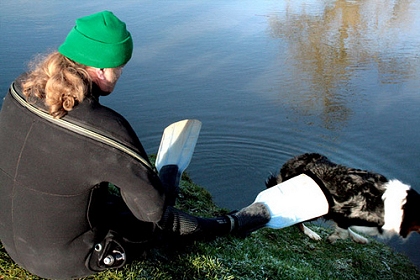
(249, 219)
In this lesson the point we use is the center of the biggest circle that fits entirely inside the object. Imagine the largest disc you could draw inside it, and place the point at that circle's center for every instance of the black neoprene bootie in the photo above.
(249, 219)
(170, 176)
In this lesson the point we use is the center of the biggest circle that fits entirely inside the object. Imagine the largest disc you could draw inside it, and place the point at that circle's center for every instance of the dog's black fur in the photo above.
(356, 198)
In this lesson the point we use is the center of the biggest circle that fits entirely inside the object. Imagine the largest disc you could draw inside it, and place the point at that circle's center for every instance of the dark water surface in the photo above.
(268, 79)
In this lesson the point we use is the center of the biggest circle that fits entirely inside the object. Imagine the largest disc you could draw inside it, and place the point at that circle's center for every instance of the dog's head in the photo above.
(411, 218)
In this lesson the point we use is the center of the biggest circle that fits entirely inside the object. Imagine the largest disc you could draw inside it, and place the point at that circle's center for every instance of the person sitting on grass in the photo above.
(58, 218)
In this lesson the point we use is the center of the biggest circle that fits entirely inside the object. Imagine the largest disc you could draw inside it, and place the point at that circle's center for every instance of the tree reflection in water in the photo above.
(336, 47)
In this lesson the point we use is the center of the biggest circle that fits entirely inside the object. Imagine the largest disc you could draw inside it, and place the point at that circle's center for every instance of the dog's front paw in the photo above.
(312, 234)
(357, 238)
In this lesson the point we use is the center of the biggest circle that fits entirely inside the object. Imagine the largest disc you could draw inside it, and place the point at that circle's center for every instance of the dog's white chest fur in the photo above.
(293, 201)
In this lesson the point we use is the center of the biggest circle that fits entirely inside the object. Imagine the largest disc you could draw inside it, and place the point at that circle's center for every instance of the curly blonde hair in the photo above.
(59, 81)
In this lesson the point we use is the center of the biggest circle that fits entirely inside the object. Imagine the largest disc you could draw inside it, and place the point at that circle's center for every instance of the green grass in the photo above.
(266, 254)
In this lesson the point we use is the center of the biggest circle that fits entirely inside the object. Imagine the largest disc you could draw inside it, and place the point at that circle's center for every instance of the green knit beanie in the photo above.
(99, 40)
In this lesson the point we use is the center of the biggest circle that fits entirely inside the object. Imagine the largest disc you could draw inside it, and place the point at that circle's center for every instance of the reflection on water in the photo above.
(330, 47)
(268, 79)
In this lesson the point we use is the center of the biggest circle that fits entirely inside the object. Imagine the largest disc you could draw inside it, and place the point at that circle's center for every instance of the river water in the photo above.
(268, 79)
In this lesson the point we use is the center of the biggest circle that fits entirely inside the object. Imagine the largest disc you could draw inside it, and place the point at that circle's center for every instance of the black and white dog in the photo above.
(360, 200)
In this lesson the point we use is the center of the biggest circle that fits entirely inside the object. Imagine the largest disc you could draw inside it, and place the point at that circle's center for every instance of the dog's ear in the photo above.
(271, 181)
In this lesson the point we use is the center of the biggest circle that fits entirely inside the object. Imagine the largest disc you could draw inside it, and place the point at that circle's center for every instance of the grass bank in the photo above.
(266, 254)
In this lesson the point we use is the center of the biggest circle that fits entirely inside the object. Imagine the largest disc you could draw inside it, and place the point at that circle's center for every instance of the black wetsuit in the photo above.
(58, 217)
(54, 204)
